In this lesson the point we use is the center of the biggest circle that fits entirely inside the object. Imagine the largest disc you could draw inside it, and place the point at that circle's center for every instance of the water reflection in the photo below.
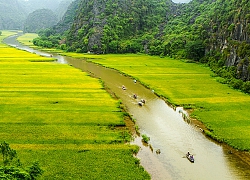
(167, 131)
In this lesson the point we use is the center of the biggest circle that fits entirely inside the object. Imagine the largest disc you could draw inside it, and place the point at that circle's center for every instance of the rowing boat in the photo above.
(190, 158)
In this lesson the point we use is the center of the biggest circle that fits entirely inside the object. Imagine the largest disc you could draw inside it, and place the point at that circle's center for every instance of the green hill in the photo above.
(12, 14)
(40, 19)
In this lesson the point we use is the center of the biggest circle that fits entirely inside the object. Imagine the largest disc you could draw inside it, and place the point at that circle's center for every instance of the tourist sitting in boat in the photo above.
(123, 87)
(143, 101)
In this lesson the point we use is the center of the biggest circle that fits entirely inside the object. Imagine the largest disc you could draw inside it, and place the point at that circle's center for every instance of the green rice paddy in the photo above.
(28, 39)
(224, 111)
(63, 118)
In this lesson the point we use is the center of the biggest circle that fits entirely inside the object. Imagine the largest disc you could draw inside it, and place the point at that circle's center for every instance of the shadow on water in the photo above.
(167, 131)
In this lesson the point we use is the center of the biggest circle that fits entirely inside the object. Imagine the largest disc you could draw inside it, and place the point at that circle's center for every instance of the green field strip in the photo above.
(82, 118)
(53, 134)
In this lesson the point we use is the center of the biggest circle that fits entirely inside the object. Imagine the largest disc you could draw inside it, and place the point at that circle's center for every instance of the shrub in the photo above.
(35, 170)
(63, 47)
(236, 83)
(145, 138)
(246, 87)
(231, 27)
(195, 50)
(15, 171)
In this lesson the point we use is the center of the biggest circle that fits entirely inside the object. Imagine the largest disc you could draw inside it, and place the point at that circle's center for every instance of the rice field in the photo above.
(224, 111)
(64, 119)
(27, 39)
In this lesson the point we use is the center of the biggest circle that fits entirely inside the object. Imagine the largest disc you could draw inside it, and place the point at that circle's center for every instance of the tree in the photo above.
(0, 33)
(35, 170)
(195, 50)
(8, 154)
(246, 87)
(16, 171)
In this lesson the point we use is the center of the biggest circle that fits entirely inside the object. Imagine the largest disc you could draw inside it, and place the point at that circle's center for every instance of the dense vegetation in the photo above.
(106, 27)
(64, 119)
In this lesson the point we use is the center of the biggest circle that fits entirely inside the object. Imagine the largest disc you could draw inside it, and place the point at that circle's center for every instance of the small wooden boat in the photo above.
(190, 158)
(140, 103)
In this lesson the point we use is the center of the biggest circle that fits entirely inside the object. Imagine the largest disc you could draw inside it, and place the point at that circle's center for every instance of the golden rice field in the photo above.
(223, 110)
(64, 119)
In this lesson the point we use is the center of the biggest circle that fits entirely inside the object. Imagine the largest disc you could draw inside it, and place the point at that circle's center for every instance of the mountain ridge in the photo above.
(212, 31)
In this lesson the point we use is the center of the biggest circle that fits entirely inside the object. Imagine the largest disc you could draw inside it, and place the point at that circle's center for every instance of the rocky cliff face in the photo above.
(98, 23)
(232, 38)
(67, 19)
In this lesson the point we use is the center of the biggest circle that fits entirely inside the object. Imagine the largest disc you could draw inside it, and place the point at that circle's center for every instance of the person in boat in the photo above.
(158, 151)
(188, 153)
(123, 87)
(143, 101)
(135, 96)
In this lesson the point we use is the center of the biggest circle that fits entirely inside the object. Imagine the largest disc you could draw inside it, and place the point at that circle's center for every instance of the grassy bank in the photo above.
(63, 118)
(223, 110)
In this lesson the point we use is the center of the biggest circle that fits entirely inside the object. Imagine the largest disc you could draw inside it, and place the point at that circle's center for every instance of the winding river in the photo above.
(167, 131)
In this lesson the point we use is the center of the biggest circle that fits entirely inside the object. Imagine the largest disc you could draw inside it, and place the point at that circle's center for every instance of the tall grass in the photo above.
(61, 117)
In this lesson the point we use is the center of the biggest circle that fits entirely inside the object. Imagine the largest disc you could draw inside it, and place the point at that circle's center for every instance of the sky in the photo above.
(181, 1)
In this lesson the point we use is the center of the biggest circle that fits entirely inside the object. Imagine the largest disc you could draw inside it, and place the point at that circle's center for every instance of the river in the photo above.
(167, 129)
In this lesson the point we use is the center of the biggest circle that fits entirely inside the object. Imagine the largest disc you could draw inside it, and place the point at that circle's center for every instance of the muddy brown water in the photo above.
(167, 131)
